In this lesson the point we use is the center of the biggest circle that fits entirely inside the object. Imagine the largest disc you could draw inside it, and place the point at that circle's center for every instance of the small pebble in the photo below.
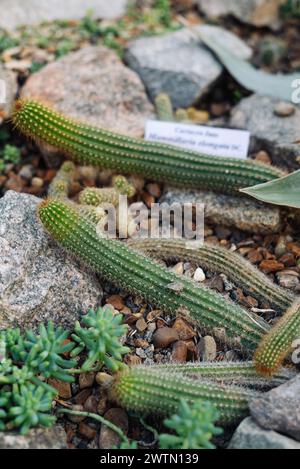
(37, 182)
(178, 268)
(208, 348)
(183, 329)
(86, 431)
(263, 157)
(141, 325)
(86, 380)
(76, 418)
(179, 352)
(91, 404)
(284, 109)
(63, 388)
(116, 301)
(108, 439)
(199, 275)
(270, 266)
(164, 336)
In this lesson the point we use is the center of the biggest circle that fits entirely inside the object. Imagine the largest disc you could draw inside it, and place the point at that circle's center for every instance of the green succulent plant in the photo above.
(100, 337)
(193, 427)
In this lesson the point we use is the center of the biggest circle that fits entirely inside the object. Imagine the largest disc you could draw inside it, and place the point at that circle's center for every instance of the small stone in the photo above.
(217, 283)
(208, 348)
(295, 248)
(91, 404)
(86, 380)
(284, 109)
(86, 431)
(263, 157)
(27, 172)
(280, 247)
(103, 379)
(288, 259)
(37, 438)
(63, 388)
(108, 438)
(254, 256)
(178, 268)
(37, 182)
(199, 275)
(231, 356)
(179, 352)
(154, 189)
(116, 301)
(140, 352)
(141, 325)
(288, 281)
(102, 405)
(132, 360)
(153, 314)
(271, 266)
(164, 336)
(183, 329)
(82, 396)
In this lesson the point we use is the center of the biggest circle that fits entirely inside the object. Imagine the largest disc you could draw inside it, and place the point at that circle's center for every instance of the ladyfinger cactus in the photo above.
(238, 373)
(276, 345)
(60, 185)
(98, 196)
(219, 260)
(152, 391)
(164, 108)
(98, 147)
(138, 274)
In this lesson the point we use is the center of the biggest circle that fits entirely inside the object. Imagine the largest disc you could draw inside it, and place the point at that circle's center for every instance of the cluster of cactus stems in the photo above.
(137, 274)
(150, 390)
(97, 147)
(219, 260)
(276, 345)
(61, 184)
(97, 196)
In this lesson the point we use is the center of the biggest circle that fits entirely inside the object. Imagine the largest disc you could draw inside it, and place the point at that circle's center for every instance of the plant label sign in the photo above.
(213, 141)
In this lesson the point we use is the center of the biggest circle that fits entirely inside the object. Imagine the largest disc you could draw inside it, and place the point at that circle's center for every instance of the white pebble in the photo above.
(199, 275)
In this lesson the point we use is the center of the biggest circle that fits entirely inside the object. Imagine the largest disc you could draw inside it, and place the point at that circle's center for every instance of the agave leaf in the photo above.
(283, 191)
(279, 85)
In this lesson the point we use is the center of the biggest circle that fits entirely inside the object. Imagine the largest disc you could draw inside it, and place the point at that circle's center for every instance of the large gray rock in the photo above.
(239, 212)
(276, 134)
(38, 281)
(279, 409)
(37, 438)
(93, 85)
(179, 64)
(17, 12)
(8, 91)
(256, 12)
(250, 436)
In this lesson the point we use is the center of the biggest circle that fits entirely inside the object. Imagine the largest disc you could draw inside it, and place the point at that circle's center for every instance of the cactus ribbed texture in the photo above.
(219, 260)
(94, 146)
(138, 274)
(276, 345)
(239, 373)
(152, 391)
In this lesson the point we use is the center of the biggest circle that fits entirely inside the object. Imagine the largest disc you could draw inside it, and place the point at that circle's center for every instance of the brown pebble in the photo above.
(63, 388)
(183, 329)
(132, 360)
(164, 336)
(141, 343)
(288, 259)
(82, 396)
(141, 325)
(208, 348)
(270, 266)
(86, 380)
(284, 109)
(154, 189)
(116, 301)
(179, 352)
(295, 248)
(263, 157)
(102, 405)
(37, 182)
(255, 256)
(76, 418)
(153, 314)
(86, 431)
(108, 438)
(91, 404)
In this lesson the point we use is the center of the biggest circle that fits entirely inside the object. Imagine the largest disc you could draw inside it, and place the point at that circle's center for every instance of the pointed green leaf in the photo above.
(283, 191)
(258, 81)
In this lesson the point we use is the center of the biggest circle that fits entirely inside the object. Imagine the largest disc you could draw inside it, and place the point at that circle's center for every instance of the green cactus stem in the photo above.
(149, 390)
(164, 108)
(138, 274)
(238, 373)
(219, 260)
(61, 184)
(98, 196)
(94, 146)
(276, 345)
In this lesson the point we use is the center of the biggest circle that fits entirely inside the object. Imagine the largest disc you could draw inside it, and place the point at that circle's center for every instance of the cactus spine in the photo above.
(239, 373)
(138, 274)
(152, 391)
(276, 345)
(94, 146)
(219, 260)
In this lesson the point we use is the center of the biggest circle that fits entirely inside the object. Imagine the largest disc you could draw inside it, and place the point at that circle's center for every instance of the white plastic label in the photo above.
(213, 141)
